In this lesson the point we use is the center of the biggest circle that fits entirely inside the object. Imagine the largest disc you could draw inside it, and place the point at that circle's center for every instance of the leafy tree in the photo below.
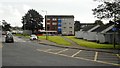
(5, 26)
(109, 9)
(98, 22)
(32, 20)
(77, 26)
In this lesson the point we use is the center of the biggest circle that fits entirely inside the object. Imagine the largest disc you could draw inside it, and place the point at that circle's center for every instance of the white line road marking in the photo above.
(61, 51)
(108, 63)
(96, 55)
(47, 50)
(83, 58)
(76, 53)
(118, 55)
(39, 50)
(44, 50)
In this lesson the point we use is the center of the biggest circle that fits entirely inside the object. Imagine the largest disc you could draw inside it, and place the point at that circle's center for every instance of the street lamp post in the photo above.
(46, 23)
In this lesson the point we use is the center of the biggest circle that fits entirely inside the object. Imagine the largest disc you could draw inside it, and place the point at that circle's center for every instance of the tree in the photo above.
(77, 26)
(5, 26)
(32, 20)
(98, 22)
(109, 9)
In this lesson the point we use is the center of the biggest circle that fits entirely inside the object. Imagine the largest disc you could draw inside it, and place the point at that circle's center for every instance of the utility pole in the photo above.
(115, 19)
(46, 23)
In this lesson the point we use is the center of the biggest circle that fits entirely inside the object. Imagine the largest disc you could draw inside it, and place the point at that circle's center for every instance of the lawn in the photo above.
(56, 39)
(25, 35)
(91, 44)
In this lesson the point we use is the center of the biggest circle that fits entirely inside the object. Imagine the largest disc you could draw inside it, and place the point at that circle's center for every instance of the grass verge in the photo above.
(25, 35)
(56, 39)
(92, 44)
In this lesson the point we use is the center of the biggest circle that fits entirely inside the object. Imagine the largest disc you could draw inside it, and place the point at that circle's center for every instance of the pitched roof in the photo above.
(110, 30)
(103, 27)
(86, 28)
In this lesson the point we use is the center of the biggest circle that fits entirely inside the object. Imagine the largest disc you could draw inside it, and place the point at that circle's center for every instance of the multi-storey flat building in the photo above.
(63, 24)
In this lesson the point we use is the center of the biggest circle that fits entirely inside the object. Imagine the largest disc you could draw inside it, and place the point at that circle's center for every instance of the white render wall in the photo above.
(79, 34)
(67, 26)
(101, 37)
(92, 36)
(85, 35)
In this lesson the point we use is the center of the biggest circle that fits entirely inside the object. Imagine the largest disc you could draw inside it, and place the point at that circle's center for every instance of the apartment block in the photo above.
(63, 24)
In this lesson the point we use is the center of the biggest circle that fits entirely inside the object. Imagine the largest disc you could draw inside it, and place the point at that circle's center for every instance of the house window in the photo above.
(70, 27)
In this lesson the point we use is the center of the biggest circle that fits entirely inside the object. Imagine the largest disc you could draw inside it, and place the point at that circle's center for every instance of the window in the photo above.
(59, 27)
(54, 23)
(48, 19)
(48, 27)
(65, 23)
(59, 19)
(63, 19)
(64, 27)
(54, 28)
(48, 23)
(70, 32)
(69, 23)
(54, 19)
(70, 27)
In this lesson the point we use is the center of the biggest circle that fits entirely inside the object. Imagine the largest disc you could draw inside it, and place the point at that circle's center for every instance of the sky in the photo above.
(13, 10)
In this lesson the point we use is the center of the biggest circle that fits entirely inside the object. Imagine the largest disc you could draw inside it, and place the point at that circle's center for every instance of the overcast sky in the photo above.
(13, 10)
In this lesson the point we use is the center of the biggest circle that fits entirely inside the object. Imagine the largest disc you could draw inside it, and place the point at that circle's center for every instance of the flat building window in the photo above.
(48, 18)
(48, 27)
(54, 19)
(54, 23)
(48, 23)
(54, 27)
(64, 27)
(70, 32)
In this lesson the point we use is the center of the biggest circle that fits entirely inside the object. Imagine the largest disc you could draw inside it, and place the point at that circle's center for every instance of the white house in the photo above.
(105, 34)
(86, 33)
(99, 33)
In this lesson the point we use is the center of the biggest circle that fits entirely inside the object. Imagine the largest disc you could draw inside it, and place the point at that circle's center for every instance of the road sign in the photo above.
(114, 29)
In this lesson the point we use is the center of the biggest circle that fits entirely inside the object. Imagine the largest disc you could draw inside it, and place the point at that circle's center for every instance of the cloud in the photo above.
(26, 8)
(11, 14)
(1, 11)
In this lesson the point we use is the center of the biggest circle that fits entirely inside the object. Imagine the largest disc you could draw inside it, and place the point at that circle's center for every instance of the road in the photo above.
(24, 52)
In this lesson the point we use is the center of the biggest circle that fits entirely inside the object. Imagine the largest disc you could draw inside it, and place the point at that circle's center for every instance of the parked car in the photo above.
(9, 38)
(33, 37)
